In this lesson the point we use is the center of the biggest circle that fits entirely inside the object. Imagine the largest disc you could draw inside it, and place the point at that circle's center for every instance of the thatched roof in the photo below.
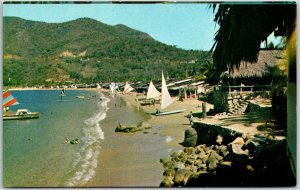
(257, 69)
(243, 26)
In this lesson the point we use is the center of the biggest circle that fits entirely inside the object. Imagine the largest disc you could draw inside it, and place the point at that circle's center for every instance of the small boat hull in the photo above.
(170, 112)
(25, 116)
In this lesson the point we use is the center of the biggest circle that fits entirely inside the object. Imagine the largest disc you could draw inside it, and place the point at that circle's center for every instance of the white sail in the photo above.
(127, 88)
(166, 99)
(112, 87)
(98, 86)
(152, 91)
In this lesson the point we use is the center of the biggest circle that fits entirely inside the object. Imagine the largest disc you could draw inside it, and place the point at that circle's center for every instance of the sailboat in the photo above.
(152, 95)
(166, 99)
(152, 91)
(127, 88)
(9, 100)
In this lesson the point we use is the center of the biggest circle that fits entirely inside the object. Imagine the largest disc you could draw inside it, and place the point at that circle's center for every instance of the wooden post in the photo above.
(203, 110)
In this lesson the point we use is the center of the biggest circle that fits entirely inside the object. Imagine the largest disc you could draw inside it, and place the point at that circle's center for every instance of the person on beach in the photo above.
(190, 116)
(67, 141)
(74, 141)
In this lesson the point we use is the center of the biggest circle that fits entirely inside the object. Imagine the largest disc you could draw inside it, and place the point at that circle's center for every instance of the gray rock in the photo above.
(170, 164)
(182, 176)
(189, 162)
(221, 150)
(190, 150)
(190, 137)
(167, 182)
(179, 166)
(170, 173)
(213, 164)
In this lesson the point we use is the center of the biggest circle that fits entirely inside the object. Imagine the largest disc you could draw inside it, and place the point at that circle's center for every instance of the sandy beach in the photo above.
(132, 160)
(174, 125)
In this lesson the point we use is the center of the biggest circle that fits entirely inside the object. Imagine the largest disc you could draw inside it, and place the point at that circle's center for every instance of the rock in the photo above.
(127, 129)
(249, 168)
(190, 137)
(213, 164)
(189, 162)
(239, 140)
(202, 155)
(214, 154)
(174, 154)
(163, 160)
(168, 163)
(237, 149)
(198, 163)
(167, 182)
(183, 156)
(170, 173)
(131, 129)
(193, 168)
(190, 150)
(221, 150)
(226, 163)
(198, 149)
(182, 176)
(144, 125)
(219, 139)
(179, 166)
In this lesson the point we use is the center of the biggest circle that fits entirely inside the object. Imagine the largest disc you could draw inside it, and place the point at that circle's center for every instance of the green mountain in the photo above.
(86, 50)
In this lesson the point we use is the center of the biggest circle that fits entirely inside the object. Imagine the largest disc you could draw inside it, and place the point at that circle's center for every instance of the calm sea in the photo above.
(34, 153)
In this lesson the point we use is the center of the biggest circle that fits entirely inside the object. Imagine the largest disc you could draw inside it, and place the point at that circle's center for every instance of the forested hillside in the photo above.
(86, 51)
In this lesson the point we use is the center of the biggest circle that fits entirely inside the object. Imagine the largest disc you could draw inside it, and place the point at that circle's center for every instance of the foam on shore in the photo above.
(85, 161)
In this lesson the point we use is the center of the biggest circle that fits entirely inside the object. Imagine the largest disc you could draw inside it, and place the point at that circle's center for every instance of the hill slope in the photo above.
(86, 50)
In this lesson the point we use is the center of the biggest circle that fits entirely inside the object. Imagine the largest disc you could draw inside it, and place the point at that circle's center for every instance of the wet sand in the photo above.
(132, 160)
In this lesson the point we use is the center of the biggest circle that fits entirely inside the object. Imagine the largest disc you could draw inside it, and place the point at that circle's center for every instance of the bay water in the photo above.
(34, 152)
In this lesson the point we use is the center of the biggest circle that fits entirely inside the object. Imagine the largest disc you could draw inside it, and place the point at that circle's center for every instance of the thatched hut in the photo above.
(254, 73)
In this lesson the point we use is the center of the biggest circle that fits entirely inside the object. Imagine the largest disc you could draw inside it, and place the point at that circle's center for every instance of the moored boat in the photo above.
(20, 114)
(9, 100)
(166, 100)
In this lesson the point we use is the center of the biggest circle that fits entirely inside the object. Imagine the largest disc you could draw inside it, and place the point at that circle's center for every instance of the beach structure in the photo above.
(98, 86)
(9, 100)
(256, 73)
(127, 88)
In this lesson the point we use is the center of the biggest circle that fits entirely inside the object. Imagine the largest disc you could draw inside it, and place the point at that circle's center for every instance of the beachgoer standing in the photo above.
(190, 116)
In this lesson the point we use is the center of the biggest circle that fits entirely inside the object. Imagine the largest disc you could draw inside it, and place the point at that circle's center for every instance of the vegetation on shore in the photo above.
(86, 51)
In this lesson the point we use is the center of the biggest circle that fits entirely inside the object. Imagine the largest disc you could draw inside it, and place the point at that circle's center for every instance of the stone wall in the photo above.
(207, 133)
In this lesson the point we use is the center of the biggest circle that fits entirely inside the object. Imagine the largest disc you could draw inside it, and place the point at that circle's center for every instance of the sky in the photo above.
(185, 25)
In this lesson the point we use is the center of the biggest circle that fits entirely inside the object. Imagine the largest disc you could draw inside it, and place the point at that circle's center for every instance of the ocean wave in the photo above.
(85, 161)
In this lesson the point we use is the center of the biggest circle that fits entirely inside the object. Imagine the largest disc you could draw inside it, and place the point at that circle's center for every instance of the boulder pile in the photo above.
(239, 163)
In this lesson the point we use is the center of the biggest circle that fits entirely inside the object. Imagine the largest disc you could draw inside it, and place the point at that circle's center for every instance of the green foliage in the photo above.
(209, 72)
(86, 50)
